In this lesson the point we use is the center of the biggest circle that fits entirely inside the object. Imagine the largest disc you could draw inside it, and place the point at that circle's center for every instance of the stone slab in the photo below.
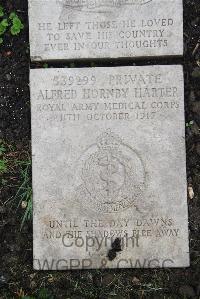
(78, 29)
(109, 170)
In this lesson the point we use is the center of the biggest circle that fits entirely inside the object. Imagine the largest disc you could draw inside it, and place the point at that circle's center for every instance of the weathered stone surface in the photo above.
(109, 177)
(72, 29)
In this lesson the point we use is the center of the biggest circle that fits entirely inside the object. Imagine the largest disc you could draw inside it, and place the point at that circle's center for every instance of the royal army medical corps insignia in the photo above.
(112, 175)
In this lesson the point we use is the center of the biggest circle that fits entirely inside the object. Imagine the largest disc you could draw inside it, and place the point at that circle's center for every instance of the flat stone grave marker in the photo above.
(75, 29)
(109, 175)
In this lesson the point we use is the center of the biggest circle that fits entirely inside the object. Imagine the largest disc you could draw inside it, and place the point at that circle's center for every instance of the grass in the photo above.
(15, 173)
(3, 161)
(42, 294)
(3, 166)
(24, 193)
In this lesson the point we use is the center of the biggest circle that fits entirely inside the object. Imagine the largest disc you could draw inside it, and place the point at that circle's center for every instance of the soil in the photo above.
(17, 278)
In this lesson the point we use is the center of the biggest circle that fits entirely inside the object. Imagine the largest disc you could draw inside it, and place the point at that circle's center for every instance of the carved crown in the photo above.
(108, 140)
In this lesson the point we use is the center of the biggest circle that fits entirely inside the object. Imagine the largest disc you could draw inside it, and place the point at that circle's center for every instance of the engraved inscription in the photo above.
(75, 29)
(132, 97)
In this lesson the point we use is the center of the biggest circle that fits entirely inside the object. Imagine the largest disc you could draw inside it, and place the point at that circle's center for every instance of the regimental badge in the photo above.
(112, 175)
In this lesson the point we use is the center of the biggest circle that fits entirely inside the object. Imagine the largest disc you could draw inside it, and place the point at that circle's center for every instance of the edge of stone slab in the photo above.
(34, 59)
(46, 268)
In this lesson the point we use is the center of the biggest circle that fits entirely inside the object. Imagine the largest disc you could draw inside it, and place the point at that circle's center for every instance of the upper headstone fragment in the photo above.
(78, 29)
